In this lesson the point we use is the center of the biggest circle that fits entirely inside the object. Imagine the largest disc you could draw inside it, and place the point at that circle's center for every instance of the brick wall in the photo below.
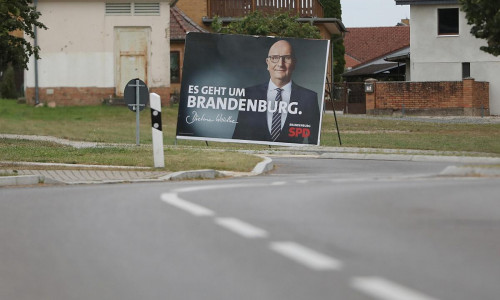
(66, 96)
(74, 96)
(467, 97)
(195, 10)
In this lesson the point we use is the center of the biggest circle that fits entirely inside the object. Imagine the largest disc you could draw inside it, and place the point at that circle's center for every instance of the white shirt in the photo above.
(271, 99)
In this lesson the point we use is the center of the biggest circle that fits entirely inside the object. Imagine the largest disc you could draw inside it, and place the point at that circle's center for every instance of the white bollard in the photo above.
(155, 103)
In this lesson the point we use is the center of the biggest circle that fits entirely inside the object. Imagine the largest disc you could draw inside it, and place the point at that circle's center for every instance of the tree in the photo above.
(484, 16)
(333, 9)
(17, 15)
(7, 85)
(257, 23)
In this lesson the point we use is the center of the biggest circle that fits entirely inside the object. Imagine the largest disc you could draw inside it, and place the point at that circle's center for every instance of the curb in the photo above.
(263, 167)
(195, 174)
(412, 157)
(470, 171)
(267, 165)
(26, 180)
(21, 180)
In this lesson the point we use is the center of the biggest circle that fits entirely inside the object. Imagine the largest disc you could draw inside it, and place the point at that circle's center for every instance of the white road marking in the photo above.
(195, 209)
(306, 256)
(302, 181)
(279, 183)
(383, 289)
(242, 228)
(213, 187)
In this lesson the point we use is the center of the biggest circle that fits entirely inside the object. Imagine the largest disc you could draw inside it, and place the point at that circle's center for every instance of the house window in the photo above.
(175, 70)
(465, 70)
(448, 21)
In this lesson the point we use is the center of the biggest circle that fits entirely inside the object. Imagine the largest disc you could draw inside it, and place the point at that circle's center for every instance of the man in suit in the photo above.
(292, 114)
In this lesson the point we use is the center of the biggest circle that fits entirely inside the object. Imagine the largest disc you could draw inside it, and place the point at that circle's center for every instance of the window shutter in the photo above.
(118, 9)
(147, 9)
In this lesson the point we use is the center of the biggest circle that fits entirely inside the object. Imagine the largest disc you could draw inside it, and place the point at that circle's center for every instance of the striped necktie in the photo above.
(276, 124)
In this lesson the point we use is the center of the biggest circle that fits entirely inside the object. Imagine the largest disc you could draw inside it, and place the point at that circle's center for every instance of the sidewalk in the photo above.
(90, 174)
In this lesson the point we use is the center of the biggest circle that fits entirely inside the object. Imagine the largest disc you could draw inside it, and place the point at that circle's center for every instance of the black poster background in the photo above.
(235, 62)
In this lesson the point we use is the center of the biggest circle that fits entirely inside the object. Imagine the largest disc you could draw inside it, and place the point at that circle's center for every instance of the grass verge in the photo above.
(114, 124)
(176, 159)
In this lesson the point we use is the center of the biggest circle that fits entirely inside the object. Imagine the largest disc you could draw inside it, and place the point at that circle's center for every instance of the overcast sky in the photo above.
(372, 13)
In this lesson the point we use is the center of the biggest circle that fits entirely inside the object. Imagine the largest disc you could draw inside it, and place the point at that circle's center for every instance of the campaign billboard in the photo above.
(252, 89)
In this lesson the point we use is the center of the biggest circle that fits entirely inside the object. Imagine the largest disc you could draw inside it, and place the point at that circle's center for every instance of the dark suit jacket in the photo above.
(253, 125)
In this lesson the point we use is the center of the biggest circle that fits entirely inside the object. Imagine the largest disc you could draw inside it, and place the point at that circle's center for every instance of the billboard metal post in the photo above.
(332, 90)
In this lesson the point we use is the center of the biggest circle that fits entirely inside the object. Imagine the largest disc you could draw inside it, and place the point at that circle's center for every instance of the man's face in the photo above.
(281, 70)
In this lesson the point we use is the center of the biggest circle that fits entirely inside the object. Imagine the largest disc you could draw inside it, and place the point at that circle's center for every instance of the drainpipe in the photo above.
(37, 99)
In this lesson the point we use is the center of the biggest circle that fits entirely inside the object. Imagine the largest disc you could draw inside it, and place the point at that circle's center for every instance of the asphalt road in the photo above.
(312, 229)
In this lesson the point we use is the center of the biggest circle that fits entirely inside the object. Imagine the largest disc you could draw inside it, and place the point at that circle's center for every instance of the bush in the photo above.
(7, 84)
(257, 23)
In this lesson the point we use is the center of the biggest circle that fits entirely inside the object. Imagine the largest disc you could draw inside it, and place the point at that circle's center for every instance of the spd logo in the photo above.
(299, 132)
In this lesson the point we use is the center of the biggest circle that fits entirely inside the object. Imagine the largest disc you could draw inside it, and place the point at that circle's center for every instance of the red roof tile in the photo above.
(180, 24)
(364, 44)
(350, 61)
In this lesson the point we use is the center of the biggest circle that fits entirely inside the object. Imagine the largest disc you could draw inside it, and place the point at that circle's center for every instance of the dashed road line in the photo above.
(242, 228)
(302, 181)
(278, 183)
(213, 187)
(376, 287)
(305, 256)
(384, 289)
(195, 209)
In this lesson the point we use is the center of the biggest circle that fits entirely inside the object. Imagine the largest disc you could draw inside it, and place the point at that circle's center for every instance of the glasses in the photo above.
(276, 58)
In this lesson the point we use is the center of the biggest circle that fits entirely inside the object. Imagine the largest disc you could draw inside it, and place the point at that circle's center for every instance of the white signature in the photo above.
(221, 118)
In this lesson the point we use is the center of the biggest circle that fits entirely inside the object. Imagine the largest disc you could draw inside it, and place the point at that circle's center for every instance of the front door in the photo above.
(131, 55)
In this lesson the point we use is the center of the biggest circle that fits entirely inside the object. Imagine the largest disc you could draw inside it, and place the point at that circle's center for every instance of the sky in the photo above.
(372, 13)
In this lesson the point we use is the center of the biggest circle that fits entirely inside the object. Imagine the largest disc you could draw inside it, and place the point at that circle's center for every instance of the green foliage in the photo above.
(484, 16)
(7, 84)
(17, 15)
(333, 9)
(177, 158)
(257, 23)
(338, 57)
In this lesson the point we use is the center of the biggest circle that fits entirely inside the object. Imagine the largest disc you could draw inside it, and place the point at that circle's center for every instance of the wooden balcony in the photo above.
(241, 8)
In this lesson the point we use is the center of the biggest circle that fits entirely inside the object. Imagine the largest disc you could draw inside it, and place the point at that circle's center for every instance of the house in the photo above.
(367, 50)
(91, 49)
(203, 12)
(371, 52)
(443, 49)
(180, 25)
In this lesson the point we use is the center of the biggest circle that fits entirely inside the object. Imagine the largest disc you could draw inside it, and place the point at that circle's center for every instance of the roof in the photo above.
(364, 44)
(180, 24)
(333, 25)
(350, 61)
(400, 56)
(423, 2)
(385, 63)
(371, 69)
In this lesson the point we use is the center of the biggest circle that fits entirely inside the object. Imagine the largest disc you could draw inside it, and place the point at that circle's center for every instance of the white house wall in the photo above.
(77, 50)
(440, 58)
